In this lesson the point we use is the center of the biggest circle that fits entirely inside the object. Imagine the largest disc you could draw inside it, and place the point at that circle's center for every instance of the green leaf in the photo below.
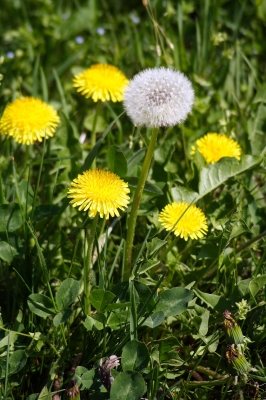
(183, 194)
(154, 320)
(10, 217)
(154, 245)
(115, 306)
(261, 94)
(128, 385)
(94, 322)
(7, 252)
(239, 227)
(100, 299)
(117, 161)
(256, 284)
(67, 293)
(84, 377)
(62, 316)
(135, 159)
(25, 194)
(218, 173)
(204, 326)
(218, 303)
(93, 153)
(174, 301)
(89, 122)
(41, 305)
(117, 320)
(135, 356)
(17, 361)
(149, 187)
(45, 210)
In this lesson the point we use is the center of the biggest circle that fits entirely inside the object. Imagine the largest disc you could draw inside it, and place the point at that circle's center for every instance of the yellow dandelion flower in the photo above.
(101, 82)
(183, 221)
(99, 191)
(214, 146)
(29, 119)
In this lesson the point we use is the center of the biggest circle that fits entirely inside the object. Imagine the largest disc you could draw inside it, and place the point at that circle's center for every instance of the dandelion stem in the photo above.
(93, 132)
(88, 264)
(136, 202)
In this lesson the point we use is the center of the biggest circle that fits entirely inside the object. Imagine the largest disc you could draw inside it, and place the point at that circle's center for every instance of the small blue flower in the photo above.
(10, 54)
(79, 39)
(100, 31)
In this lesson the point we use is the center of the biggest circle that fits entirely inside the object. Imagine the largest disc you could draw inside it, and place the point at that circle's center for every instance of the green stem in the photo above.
(88, 264)
(135, 204)
(2, 197)
(93, 132)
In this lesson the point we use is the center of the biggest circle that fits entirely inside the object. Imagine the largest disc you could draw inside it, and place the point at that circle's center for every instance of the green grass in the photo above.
(169, 327)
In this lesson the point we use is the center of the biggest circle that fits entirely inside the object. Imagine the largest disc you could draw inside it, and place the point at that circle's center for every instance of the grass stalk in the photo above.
(136, 202)
(88, 264)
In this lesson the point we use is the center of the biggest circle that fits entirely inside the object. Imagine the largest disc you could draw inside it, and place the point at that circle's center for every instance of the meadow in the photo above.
(132, 199)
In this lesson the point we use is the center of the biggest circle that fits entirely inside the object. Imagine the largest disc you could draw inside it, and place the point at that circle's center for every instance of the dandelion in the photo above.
(184, 220)
(29, 119)
(158, 97)
(214, 146)
(233, 331)
(101, 82)
(99, 191)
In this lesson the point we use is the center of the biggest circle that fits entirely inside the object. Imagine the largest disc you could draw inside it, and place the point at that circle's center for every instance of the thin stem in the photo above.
(88, 264)
(135, 204)
(93, 132)
(2, 197)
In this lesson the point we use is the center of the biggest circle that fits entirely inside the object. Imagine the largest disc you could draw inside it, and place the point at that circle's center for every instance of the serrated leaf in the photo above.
(62, 316)
(100, 299)
(174, 301)
(128, 385)
(67, 293)
(135, 356)
(218, 173)
(41, 305)
(183, 194)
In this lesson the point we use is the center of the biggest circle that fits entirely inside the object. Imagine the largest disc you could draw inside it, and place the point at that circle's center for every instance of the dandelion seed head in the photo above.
(158, 97)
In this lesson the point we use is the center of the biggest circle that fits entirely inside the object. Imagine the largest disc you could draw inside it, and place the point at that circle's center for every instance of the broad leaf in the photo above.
(10, 217)
(128, 385)
(256, 284)
(218, 173)
(7, 252)
(174, 301)
(218, 303)
(100, 299)
(135, 356)
(62, 316)
(154, 320)
(41, 305)
(183, 194)
(149, 188)
(67, 293)
(17, 361)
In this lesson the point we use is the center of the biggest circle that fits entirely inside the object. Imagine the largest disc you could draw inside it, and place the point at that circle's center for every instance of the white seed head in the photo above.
(158, 97)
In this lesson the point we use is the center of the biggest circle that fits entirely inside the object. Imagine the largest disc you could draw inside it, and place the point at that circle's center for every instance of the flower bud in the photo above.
(233, 331)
